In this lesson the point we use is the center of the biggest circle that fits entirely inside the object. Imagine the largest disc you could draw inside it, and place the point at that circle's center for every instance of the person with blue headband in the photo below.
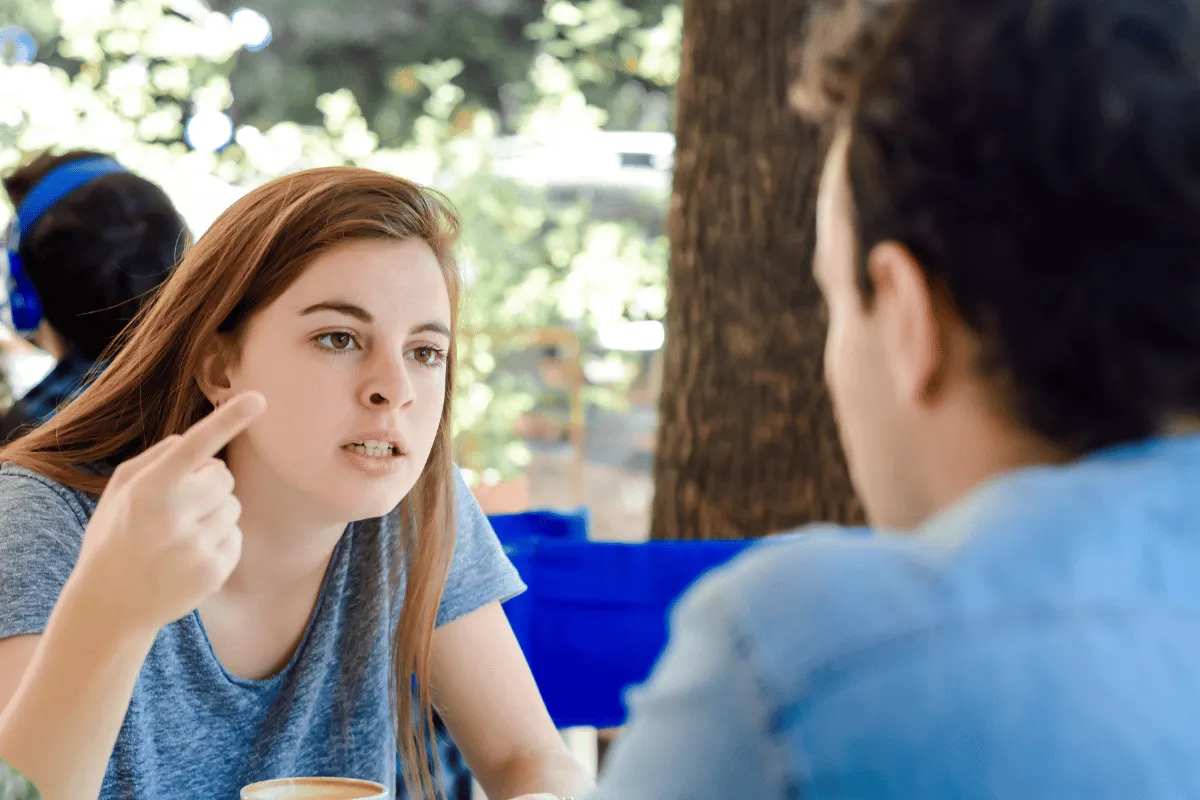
(88, 242)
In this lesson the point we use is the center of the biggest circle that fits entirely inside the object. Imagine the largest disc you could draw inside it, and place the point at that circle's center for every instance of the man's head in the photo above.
(1008, 233)
(97, 252)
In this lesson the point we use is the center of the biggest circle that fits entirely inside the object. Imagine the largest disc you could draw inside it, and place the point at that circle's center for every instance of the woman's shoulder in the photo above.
(25, 492)
(42, 526)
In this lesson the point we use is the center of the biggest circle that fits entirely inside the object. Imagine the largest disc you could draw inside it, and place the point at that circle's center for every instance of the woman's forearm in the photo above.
(557, 773)
(62, 722)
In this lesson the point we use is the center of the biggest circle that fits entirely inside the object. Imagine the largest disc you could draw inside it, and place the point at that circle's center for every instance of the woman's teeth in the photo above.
(377, 449)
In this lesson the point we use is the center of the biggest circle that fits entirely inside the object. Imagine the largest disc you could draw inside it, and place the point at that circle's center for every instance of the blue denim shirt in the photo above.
(1039, 640)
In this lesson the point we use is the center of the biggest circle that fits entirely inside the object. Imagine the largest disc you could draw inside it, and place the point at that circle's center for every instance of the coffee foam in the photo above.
(313, 789)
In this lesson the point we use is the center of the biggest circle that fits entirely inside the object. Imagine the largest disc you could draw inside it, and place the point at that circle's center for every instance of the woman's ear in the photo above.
(213, 376)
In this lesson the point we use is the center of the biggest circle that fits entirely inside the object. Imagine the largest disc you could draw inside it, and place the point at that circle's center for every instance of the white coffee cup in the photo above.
(315, 789)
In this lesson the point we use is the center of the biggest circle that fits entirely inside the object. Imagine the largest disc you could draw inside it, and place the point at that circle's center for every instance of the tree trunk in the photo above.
(747, 443)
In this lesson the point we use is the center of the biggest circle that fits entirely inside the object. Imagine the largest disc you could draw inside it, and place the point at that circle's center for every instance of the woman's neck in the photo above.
(257, 620)
(286, 544)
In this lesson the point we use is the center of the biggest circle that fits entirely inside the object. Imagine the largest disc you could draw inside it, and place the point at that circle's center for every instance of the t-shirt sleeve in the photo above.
(480, 572)
(41, 530)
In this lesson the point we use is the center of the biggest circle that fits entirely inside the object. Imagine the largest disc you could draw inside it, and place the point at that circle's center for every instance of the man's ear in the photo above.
(912, 336)
(213, 376)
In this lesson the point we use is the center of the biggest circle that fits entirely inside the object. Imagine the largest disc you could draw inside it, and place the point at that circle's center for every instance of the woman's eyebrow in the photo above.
(341, 307)
(432, 327)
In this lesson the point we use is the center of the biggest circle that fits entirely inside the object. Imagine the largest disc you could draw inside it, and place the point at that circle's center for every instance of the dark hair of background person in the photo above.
(98, 252)
(1041, 160)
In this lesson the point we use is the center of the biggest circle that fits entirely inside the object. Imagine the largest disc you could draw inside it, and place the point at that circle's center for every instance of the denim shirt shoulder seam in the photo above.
(769, 700)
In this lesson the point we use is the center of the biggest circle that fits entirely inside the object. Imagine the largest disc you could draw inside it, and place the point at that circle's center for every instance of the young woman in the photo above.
(192, 600)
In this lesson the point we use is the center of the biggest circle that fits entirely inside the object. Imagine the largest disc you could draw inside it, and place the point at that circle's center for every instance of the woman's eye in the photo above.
(338, 340)
(429, 356)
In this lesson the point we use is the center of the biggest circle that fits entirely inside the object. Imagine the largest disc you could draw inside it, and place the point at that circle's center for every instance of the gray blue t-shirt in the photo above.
(193, 729)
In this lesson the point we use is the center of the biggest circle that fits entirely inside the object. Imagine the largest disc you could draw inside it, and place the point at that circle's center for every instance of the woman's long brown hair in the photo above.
(248, 258)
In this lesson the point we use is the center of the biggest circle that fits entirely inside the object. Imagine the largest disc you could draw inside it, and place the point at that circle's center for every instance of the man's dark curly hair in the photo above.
(1041, 160)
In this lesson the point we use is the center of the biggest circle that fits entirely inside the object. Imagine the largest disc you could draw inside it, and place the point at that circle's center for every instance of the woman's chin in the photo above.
(379, 502)
(346, 495)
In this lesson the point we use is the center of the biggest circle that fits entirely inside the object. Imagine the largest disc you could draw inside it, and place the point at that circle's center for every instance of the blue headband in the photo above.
(60, 182)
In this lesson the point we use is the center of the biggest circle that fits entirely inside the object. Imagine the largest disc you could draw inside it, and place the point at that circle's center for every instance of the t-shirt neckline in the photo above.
(269, 682)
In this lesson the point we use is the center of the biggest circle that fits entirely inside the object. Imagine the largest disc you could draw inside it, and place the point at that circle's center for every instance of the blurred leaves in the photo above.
(124, 77)
(623, 53)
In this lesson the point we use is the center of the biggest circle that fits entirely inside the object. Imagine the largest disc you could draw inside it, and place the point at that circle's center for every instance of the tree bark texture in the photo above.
(747, 442)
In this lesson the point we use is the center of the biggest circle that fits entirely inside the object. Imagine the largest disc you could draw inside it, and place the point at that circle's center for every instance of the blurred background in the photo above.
(547, 123)
(597, 172)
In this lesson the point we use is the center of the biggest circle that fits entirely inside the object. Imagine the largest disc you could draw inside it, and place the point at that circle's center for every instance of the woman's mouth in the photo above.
(374, 449)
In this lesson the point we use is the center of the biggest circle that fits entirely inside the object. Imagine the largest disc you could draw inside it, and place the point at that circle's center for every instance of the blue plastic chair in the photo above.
(519, 533)
(594, 620)
(557, 525)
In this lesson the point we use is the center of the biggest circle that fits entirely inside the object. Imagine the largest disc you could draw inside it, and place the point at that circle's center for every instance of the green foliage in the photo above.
(625, 54)
(369, 46)
(620, 65)
(124, 76)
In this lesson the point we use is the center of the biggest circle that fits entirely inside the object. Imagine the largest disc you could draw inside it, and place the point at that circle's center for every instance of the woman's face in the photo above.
(352, 361)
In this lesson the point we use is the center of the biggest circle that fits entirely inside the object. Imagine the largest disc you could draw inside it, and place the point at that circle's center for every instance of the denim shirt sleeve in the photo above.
(699, 727)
